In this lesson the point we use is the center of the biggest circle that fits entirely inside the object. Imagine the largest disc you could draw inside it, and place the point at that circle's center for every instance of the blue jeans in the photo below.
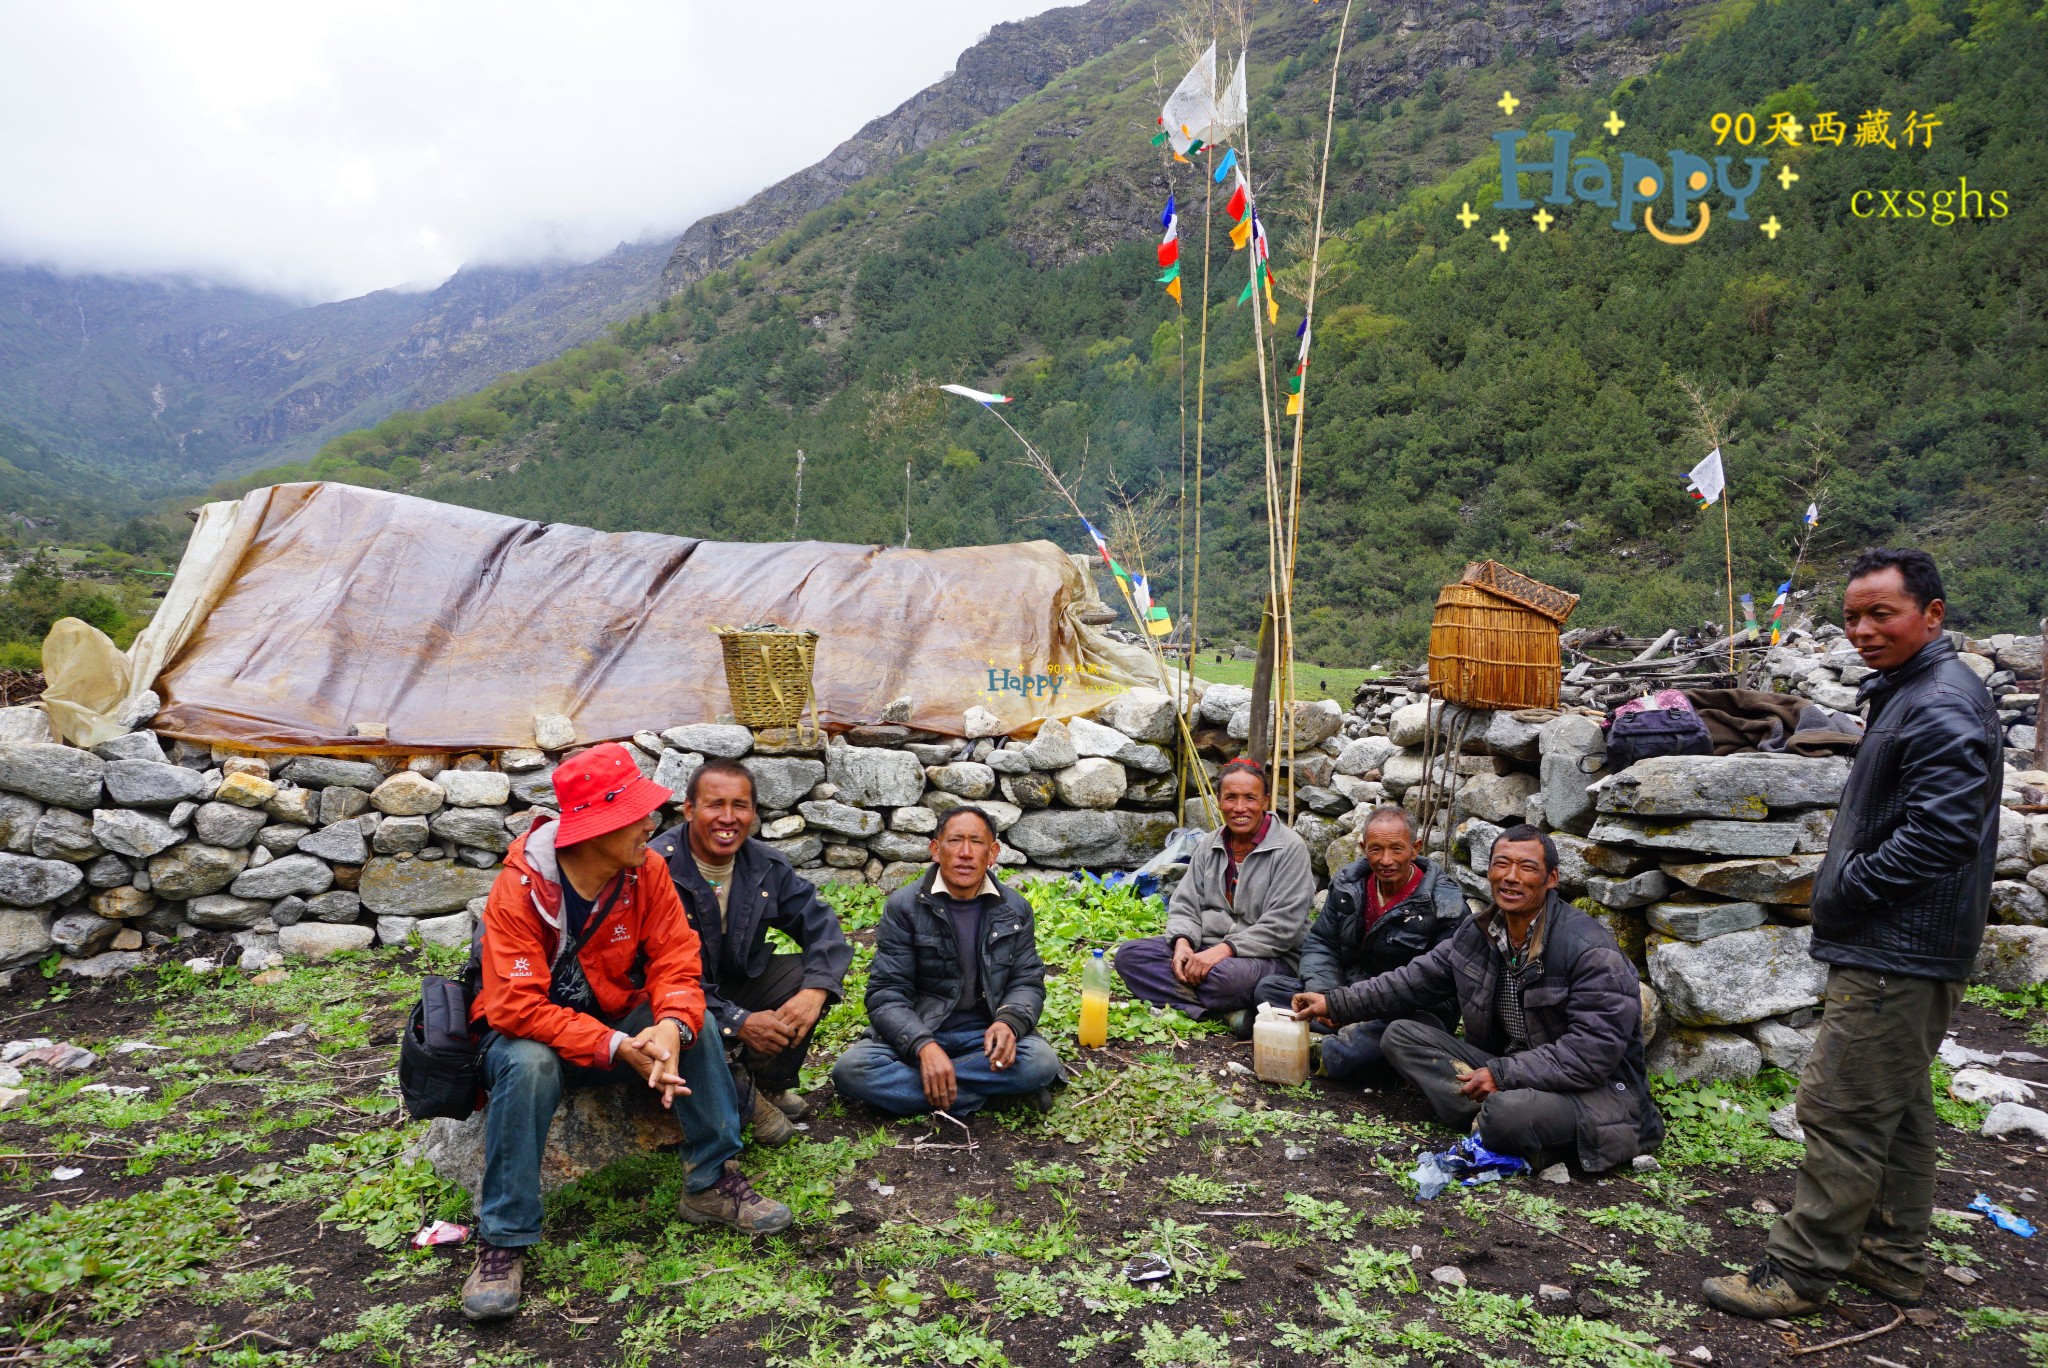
(871, 1071)
(525, 1080)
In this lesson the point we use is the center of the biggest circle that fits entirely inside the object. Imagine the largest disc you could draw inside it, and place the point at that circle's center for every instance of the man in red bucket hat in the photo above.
(591, 974)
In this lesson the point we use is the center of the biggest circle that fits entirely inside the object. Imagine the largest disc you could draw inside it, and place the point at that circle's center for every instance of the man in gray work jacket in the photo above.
(1898, 915)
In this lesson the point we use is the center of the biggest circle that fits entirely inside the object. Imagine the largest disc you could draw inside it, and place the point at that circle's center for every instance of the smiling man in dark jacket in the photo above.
(1552, 1057)
(1898, 915)
(736, 889)
(955, 988)
(1382, 911)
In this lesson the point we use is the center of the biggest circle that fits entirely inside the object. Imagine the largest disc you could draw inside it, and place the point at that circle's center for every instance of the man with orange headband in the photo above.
(591, 975)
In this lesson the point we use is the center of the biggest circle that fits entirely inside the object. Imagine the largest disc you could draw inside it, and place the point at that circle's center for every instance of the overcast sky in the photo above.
(327, 149)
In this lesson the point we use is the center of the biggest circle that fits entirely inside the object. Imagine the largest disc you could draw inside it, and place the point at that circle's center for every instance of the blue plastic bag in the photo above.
(1468, 1162)
(2002, 1218)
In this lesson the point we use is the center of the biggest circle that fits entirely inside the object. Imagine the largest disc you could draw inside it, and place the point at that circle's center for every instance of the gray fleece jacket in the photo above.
(1275, 890)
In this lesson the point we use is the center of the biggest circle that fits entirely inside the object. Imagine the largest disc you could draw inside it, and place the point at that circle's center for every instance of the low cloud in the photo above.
(323, 151)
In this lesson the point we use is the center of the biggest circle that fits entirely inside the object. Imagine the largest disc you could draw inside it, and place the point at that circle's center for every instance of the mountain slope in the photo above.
(1465, 401)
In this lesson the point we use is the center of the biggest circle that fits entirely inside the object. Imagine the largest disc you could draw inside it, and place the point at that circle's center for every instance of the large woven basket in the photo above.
(1486, 651)
(768, 675)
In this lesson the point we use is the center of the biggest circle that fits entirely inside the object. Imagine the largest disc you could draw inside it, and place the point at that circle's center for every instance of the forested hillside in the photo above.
(1464, 400)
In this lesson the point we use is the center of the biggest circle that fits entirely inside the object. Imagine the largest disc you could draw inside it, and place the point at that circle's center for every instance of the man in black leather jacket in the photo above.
(1382, 911)
(735, 889)
(1898, 913)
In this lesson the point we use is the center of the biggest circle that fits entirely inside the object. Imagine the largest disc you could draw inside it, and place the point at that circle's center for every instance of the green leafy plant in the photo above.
(1192, 1187)
(1025, 1173)
(1665, 1229)
(1332, 1220)
(1160, 1346)
(114, 1254)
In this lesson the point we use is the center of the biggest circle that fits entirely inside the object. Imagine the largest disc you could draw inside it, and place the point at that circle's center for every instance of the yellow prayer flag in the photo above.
(1173, 288)
(1293, 403)
(1241, 234)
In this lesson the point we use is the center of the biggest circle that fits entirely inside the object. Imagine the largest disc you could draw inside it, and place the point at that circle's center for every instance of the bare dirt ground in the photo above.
(251, 1205)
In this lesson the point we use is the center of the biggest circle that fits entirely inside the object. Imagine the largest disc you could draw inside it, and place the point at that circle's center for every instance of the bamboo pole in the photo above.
(1275, 510)
(1728, 547)
(1315, 255)
(1044, 467)
(1201, 412)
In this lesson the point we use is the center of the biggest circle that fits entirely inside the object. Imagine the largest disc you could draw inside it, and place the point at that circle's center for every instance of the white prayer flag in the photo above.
(1192, 107)
(1707, 481)
(978, 396)
(1231, 107)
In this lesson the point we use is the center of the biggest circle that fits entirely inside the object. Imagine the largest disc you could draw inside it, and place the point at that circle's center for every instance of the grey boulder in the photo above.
(50, 773)
(126, 832)
(1065, 839)
(319, 771)
(153, 783)
(65, 835)
(225, 912)
(225, 824)
(194, 869)
(780, 782)
(482, 828)
(1740, 977)
(870, 777)
(284, 876)
(1740, 787)
(29, 882)
(724, 740)
(421, 888)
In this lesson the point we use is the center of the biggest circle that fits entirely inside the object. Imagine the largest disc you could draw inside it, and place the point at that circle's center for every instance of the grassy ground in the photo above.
(1311, 681)
(249, 1208)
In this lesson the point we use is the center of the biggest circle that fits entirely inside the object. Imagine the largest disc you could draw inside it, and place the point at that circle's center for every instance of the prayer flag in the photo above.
(1778, 611)
(1748, 613)
(1227, 165)
(1169, 242)
(1813, 515)
(1707, 481)
(1173, 288)
(976, 395)
(1240, 235)
(1191, 108)
(1300, 372)
(1240, 199)
(1231, 106)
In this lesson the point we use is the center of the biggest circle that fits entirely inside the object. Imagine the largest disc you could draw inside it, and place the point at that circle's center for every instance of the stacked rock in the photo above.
(143, 842)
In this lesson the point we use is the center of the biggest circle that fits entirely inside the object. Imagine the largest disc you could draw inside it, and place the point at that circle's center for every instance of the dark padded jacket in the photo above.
(1339, 950)
(1583, 1011)
(914, 981)
(766, 892)
(1906, 884)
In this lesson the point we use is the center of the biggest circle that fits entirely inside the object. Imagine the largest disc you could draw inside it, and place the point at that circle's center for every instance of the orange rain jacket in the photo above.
(645, 936)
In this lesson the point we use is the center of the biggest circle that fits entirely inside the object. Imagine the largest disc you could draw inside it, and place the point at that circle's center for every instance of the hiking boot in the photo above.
(1887, 1284)
(732, 1201)
(771, 1127)
(1760, 1294)
(1239, 1023)
(791, 1104)
(491, 1291)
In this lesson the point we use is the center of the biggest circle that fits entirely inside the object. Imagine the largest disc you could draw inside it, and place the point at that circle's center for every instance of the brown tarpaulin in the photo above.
(453, 627)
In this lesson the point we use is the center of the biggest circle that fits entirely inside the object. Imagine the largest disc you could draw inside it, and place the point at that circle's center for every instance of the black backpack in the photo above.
(1633, 736)
(439, 1073)
(440, 1070)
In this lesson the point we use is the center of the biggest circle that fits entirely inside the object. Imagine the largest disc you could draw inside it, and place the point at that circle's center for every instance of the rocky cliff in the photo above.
(1014, 62)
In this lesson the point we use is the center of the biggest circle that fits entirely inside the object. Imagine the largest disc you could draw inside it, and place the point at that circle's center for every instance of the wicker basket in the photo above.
(1487, 651)
(1554, 604)
(768, 675)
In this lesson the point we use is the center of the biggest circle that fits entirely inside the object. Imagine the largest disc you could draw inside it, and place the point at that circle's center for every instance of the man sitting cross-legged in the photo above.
(1382, 911)
(736, 889)
(590, 976)
(1552, 1057)
(955, 989)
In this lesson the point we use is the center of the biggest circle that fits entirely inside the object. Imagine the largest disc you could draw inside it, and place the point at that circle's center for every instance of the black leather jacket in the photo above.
(1339, 950)
(1907, 880)
(914, 981)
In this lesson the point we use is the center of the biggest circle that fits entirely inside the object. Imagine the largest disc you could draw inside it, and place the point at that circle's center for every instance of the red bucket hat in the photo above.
(601, 790)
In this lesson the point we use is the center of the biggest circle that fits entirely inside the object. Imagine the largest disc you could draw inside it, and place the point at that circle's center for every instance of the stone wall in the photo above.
(145, 841)
(1702, 866)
